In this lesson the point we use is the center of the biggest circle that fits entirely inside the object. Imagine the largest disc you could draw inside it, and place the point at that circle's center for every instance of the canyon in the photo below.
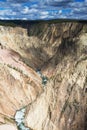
(43, 67)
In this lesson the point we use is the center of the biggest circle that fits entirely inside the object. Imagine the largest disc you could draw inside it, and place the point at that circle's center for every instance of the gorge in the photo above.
(43, 66)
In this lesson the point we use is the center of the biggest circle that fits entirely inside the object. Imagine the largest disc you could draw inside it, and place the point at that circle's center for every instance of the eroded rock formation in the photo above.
(59, 51)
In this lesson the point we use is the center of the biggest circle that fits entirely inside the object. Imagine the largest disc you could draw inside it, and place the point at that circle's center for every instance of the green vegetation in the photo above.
(23, 23)
(85, 29)
(13, 67)
(9, 120)
(8, 23)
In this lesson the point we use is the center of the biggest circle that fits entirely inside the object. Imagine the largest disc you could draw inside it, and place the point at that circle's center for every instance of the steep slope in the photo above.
(31, 52)
(38, 42)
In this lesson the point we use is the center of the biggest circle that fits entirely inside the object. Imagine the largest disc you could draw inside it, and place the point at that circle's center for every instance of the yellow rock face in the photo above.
(59, 52)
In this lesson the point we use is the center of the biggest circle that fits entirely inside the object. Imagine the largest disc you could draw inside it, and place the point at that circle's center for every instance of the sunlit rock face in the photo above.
(8, 127)
(43, 68)
(38, 42)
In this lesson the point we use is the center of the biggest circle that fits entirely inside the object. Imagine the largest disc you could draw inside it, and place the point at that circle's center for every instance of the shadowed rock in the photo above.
(59, 50)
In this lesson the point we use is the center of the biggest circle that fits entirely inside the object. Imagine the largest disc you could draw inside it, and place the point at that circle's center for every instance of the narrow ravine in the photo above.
(20, 114)
(44, 78)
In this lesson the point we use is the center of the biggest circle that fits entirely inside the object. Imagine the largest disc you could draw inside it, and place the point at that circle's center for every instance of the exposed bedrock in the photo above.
(43, 67)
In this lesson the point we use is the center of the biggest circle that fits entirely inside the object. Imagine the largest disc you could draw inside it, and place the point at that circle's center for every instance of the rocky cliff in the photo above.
(43, 67)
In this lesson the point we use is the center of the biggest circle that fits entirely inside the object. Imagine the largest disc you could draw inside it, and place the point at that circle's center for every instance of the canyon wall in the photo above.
(43, 67)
